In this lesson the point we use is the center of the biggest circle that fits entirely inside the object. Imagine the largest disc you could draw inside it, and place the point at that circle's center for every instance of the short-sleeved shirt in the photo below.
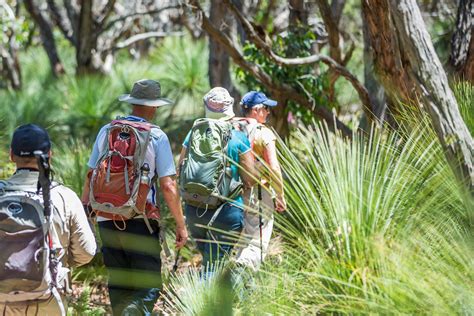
(238, 144)
(262, 137)
(158, 155)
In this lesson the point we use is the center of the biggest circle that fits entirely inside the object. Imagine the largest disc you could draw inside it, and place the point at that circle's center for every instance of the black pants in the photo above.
(132, 259)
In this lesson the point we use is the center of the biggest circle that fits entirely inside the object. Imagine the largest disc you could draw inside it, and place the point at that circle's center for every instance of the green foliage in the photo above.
(375, 225)
(190, 293)
(464, 92)
(302, 78)
(83, 305)
(11, 25)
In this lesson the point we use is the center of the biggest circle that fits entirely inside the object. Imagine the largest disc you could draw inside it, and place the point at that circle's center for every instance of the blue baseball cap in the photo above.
(28, 138)
(252, 98)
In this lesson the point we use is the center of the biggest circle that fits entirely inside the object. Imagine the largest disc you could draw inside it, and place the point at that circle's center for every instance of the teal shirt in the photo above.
(239, 144)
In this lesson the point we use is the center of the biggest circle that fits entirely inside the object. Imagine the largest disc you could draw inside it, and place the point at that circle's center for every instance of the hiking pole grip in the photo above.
(43, 180)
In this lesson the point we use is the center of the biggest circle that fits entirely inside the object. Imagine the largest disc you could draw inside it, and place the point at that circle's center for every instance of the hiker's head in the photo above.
(256, 105)
(219, 104)
(145, 97)
(25, 141)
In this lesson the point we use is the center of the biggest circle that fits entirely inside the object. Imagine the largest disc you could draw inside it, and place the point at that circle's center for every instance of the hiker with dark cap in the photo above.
(40, 239)
(128, 156)
(215, 163)
(267, 195)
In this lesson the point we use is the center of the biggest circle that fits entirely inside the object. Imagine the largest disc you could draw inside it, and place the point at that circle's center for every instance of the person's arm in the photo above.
(270, 157)
(91, 164)
(86, 188)
(247, 169)
(180, 161)
(82, 244)
(169, 188)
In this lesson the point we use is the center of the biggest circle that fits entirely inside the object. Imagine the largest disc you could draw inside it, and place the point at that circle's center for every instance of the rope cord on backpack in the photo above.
(117, 226)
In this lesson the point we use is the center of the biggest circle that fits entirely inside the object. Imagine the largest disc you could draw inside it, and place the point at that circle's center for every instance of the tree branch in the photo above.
(73, 15)
(105, 12)
(143, 36)
(59, 21)
(332, 30)
(335, 66)
(283, 90)
(123, 18)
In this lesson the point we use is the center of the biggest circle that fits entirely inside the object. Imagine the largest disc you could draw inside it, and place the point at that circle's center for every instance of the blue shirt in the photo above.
(238, 144)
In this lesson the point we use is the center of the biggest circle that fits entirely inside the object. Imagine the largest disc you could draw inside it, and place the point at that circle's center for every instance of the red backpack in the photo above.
(119, 184)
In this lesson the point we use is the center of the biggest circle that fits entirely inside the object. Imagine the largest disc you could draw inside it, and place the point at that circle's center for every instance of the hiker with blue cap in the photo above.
(43, 231)
(267, 194)
(130, 155)
(216, 162)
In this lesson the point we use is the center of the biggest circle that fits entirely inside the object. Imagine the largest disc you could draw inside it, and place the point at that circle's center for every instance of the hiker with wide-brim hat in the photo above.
(215, 219)
(267, 195)
(130, 246)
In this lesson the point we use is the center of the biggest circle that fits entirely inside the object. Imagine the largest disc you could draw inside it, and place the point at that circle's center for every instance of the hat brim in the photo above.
(146, 102)
(270, 102)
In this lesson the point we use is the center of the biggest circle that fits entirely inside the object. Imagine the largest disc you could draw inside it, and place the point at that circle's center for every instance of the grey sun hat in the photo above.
(146, 92)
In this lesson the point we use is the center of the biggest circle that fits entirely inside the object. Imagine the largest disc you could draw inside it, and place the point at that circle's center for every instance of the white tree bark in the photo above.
(434, 90)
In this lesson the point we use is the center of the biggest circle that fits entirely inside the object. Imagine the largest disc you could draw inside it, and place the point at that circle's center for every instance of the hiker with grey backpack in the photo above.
(216, 162)
(43, 231)
(129, 158)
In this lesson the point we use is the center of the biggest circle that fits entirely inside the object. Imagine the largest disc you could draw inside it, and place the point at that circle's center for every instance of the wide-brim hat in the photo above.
(146, 92)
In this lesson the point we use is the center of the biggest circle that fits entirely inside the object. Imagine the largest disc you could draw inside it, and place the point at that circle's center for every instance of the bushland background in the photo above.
(375, 116)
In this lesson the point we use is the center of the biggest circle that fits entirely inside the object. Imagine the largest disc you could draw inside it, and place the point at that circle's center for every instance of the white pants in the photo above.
(250, 246)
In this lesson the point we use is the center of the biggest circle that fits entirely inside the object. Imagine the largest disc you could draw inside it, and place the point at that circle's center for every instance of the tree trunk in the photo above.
(298, 15)
(86, 39)
(219, 62)
(375, 89)
(11, 67)
(389, 64)
(462, 43)
(47, 37)
(432, 86)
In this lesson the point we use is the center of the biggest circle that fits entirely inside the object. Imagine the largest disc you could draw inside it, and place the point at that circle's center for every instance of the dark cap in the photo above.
(28, 138)
(252, 98)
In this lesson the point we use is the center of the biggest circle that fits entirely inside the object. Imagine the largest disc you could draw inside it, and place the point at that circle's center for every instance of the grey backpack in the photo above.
(26, 271)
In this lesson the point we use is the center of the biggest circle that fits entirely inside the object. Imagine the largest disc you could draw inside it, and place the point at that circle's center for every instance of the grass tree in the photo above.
(378, 224)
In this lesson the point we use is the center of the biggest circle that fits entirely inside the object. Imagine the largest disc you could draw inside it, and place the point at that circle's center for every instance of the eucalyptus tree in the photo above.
(98, 29)
(462, 42)
(409, 69)
(287, 79)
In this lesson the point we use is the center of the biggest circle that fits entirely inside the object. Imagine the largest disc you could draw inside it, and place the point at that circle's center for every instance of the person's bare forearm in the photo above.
(86, 188)
(170, 192)
(277, 178)
(270, 155)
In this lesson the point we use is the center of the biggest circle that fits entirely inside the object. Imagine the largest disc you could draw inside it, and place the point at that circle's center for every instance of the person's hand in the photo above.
(280, 204)
(181, 236)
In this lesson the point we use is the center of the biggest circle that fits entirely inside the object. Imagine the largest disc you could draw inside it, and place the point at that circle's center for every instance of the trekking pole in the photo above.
(175, 265)
(260, 220)
(43, 181)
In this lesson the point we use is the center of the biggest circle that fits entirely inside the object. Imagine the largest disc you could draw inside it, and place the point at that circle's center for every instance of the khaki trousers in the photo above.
(44, 308)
